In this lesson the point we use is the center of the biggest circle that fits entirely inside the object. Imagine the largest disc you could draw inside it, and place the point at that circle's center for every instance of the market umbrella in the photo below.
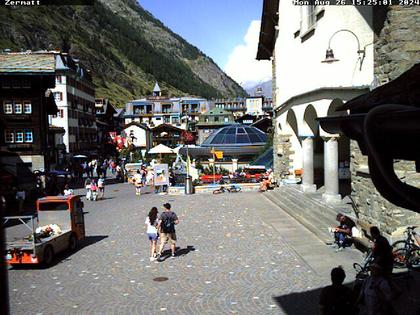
(161, 149)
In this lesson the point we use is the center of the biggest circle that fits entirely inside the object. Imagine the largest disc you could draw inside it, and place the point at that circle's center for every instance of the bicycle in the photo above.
(231, 189)
(407, 252)
(362, 270)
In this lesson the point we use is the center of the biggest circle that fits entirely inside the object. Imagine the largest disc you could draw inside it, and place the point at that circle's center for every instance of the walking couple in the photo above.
(161, 226)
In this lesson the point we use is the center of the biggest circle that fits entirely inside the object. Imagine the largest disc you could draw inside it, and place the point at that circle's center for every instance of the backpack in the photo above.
(168, 225)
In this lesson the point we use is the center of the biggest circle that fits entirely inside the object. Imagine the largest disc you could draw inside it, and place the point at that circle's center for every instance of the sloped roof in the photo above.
(135, 123)
(216, 112)
(166, 126)
(269, 20)
(27, 63)
(156, 88)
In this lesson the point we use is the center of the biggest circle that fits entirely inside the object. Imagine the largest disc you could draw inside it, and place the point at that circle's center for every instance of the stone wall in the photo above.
(372, 208)
(282, 150)
(397, 48)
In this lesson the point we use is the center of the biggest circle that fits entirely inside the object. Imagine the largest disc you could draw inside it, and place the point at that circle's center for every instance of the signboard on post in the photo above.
(161, 176)
(217, 154)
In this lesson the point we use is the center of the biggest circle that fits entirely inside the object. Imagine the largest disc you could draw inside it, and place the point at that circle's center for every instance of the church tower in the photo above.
(156, 90)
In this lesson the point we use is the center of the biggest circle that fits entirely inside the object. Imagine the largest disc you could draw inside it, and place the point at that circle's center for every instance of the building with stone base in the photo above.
(324, 56)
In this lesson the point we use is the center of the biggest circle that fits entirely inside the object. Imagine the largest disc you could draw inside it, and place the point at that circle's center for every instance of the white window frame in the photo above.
(29, 104)
(8, 107)
(58, 96)
(28, 132)
(9, 132)
(18, 132)
(16, 105)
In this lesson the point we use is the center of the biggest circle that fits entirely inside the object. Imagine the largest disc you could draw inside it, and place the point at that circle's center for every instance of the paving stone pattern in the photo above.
(240, 265)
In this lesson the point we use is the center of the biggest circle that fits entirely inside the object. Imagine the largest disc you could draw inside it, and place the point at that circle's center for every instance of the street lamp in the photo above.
(329, 55)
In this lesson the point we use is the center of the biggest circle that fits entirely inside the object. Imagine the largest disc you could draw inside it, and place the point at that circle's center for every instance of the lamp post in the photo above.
(329, 55)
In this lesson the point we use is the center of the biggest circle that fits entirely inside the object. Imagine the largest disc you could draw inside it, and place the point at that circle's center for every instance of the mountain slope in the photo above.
(124, 45)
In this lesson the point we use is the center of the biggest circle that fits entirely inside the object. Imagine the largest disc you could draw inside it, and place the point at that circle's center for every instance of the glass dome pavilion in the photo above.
(236, 141)
(236, 136)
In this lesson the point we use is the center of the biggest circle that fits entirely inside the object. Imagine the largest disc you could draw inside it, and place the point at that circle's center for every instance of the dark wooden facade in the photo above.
(25, 106)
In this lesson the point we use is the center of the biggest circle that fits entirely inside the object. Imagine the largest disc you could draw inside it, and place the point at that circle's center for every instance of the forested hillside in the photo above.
(126, 48)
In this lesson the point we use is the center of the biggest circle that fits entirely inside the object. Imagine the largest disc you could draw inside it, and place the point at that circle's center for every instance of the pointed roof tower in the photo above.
(156, 90)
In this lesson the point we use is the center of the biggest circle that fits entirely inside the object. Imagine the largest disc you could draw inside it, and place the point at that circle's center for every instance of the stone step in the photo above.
(312, 223)
(307, 206)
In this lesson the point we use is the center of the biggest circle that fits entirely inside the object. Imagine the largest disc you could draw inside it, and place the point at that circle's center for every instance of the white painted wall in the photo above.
(139, 133)
(254, 106)
(298, 64)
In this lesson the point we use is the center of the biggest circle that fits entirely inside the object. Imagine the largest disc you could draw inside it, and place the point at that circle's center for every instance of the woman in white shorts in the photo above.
(152, 233)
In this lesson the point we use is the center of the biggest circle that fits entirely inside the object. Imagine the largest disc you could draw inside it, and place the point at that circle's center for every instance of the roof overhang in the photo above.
(269, 21)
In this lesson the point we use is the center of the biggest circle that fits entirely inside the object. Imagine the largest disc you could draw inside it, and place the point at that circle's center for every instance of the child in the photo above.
(93, 189)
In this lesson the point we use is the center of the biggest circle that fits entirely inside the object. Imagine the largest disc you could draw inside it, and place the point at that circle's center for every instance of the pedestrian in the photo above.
(152, 232)
(166, 226)
(20, 197)
(94, 190)
(67, 190)
(382, 252)
(337, 298)
(119, 172)
(376, 294)
(104, 168)
(88, 182)
(101, 187)
(137, 183)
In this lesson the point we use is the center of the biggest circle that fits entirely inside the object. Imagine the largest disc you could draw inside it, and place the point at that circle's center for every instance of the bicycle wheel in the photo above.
(399, 245)
(413, 258)
(400, 258)
(358, 268)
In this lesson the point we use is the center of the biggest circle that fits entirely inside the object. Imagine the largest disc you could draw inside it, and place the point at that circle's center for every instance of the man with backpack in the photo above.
(166, 226)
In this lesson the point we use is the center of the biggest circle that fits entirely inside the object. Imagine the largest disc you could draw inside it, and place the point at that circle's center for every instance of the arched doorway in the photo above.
(310, 121)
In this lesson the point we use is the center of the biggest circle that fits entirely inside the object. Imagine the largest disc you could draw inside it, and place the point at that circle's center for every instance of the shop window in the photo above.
(58, 96)
(18, 108)
(26, 83)
(27, 107)
(29, 137)
(5, 83)
(16, 83)
(19, 136)
(8, 107)
(9, 136)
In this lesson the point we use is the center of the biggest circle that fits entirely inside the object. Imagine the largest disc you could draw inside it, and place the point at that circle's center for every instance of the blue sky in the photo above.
(216, 27)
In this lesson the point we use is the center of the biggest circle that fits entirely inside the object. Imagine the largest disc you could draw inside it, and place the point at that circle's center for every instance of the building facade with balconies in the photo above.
(180, 112)
(74, 94)
(212, 120)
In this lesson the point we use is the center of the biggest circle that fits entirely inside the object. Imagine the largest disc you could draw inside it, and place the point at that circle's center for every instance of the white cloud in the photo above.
(242, 65)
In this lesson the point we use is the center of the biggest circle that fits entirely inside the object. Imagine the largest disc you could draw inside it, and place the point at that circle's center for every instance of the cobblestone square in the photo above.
(232, 260)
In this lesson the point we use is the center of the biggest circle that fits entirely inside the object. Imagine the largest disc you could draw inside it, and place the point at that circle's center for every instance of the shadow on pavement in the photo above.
(307, 302)
(178, 252)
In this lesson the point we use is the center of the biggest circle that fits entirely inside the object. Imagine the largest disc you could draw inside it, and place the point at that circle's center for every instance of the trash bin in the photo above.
(188, 185)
